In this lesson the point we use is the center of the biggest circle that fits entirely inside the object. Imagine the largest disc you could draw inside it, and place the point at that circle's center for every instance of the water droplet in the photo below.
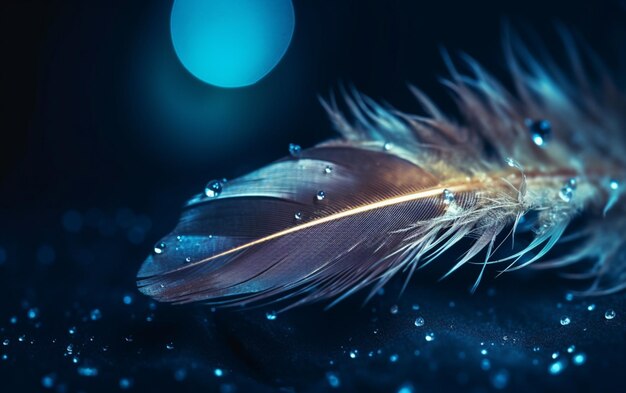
(72, 330)
(127, 299)
(500, 379)
(555, 355)
(512, 163)
(429, 337)
(591, 307)
(540, 131)
(271, 316)
(485, 364)
(218, 372)
(566, 193)
(415, 307)
(483, 352)
(213, 189)
(333, 379)
(125, 383)
(33, 313)
(294, 150)
(579, 359)
(47, 381)
(569, 296)
(298, 216)
(565, 320)
(448, 197)
(88, 371)
(21, 338)
(328, 170)
(419, 321)
(320, 195)
(571, 348)
(609, 314)
(388, 146)
(394, 358)
(556, 367)
(394, 309)
(353, 354)
(159, 248)
(613, 184)
(95, 314)
(169, 345)
(6, 342)
(536, 349)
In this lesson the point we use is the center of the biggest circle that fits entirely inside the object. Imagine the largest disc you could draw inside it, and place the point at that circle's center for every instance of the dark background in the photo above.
(104, 136)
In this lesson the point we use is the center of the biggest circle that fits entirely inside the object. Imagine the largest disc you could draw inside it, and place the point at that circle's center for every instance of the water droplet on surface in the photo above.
(571, 348)
(271, 316)
(419, 321)
(72, 330)
(609, 314)
(125, 383)
(159, 248)
(218, 372)
(188, 259)
(328, 170)
(294, 150)
(591, 307)
(394, 358)
(388, 146)
(127, 299)
(213, 189)
(556, 367)
(485, 364)
(333, 379)
(33, 313)
(566, 193)
(448, 197)
(613, 184)
(540, 131)
(298, 216)
(565, 320)
(512, 163)
(353, 354)
(47, 381)
(430, 337)
(500, 379)
(569, 296)
(320, 195)
(394, 309)
(95, 314)
(169, 345)
(483, 352)
(579, 359)
(6, 342)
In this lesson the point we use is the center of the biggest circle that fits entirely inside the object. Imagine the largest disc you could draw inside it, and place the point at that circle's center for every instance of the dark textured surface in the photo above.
(98, 119)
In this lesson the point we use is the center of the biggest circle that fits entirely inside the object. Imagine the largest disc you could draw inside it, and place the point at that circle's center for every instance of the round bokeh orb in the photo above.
(231, 43)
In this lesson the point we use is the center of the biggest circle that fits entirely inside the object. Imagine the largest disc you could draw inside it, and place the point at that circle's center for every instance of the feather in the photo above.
(397, 190)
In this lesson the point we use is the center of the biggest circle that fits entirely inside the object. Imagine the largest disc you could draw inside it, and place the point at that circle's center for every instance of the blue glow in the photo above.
(231, 43)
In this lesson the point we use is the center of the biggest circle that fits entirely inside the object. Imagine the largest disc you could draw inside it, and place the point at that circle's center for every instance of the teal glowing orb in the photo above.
(231, 43)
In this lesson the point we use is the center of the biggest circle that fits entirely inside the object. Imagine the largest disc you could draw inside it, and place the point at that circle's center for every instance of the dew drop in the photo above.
(540, 131)
(127, 300)
(571, 348)
(33, 313)
(429, 337)
(218, 372)
(556, 367)
(213, 189)
(419, 321)
(566, 193)
(512, 163)
(579, 359)
(609, 314)
(320, 195)
(271, 316)
(388, 146)
(298, 216)
(613, 184)
(353, 354)
(569, 296)
(72, 330)
(565, 320)
(448, 197)
(333, 379)
(591, 307)
(328, 170)
(169, 345)
(483, 352)
(394, 358)
(6, 342)
(294, 150)
(95, 314)
(188, 259)
(394, 309)
(159, 248)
